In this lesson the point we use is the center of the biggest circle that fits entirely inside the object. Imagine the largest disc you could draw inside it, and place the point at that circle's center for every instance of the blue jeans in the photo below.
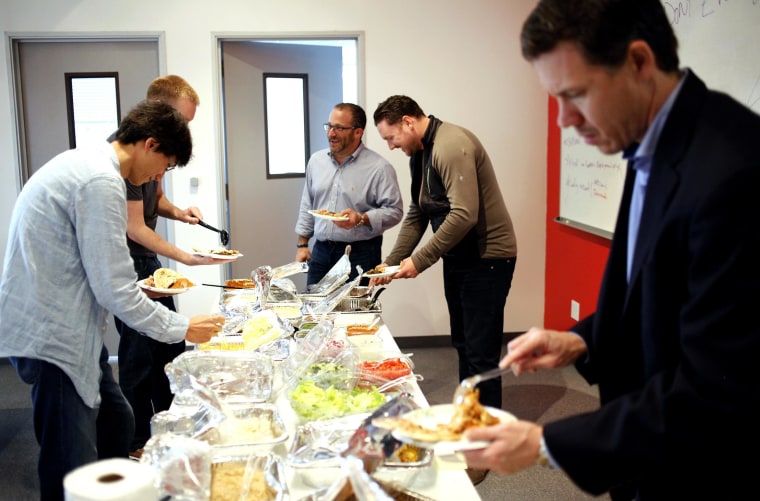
(141, 365)
(476, 292)
(325, 253)
(70, 433)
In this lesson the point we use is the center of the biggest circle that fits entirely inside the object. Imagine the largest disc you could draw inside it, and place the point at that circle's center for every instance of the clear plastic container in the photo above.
(233, 376)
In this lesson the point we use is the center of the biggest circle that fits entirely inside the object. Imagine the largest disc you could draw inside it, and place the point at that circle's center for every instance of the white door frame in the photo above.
(18, 128)
(217, 84)
(15, 38)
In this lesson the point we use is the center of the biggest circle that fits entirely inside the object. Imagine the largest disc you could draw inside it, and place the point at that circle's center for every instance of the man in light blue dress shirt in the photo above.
(66, 267)
(349, 179)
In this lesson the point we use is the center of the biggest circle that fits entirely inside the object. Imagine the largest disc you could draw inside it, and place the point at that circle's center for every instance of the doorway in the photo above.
(262, 212)
(39, 66)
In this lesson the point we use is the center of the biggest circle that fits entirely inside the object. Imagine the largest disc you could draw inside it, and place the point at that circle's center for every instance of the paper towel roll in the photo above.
(111, 479)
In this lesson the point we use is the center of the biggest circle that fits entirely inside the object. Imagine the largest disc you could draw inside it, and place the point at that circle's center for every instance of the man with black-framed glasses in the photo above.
(351, 180)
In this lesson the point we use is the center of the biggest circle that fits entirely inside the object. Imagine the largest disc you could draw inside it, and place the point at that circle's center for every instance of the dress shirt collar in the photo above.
(652, 136)
(353, 156)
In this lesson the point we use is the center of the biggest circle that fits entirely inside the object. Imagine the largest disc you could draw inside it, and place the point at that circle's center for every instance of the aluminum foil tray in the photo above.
(251, 428)
(358, 305)
(316, 447)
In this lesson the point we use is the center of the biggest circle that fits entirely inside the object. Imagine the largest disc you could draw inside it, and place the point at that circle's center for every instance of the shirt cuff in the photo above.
(544, 456)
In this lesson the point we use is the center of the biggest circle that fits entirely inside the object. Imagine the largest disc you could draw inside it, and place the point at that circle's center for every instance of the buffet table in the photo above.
(443, 480)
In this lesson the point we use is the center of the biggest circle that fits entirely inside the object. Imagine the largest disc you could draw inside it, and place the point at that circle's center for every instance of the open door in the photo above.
(262, 212)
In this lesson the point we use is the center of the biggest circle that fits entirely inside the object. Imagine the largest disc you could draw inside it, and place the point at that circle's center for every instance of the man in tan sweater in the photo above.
(454, 189)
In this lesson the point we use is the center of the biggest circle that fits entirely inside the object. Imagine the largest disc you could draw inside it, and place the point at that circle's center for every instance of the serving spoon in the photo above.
(223, 235)
(469, 383)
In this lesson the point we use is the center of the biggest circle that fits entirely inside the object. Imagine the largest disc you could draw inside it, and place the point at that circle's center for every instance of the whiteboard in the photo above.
(720, 41)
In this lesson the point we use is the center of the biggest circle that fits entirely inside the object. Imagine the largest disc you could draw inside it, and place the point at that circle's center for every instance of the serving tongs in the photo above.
(230, 287)
(373, 444)
(375, 294)
(469, 383)
(223, 235)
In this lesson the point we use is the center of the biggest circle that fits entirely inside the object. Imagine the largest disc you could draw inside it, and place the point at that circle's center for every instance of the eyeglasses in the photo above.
(338, 128)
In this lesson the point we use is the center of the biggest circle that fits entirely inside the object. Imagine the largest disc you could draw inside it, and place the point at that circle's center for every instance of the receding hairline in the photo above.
(169, 88)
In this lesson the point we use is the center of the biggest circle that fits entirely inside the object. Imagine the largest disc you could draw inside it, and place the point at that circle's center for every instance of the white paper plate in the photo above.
(173, 292)
(430, 417)
(330, 218)
(389, 271)
(221, 257)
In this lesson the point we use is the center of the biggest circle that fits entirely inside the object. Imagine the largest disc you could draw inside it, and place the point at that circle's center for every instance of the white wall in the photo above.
(459, 59)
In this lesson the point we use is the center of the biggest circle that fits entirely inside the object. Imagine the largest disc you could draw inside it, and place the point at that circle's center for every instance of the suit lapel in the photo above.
(666, 165)
(660, 188)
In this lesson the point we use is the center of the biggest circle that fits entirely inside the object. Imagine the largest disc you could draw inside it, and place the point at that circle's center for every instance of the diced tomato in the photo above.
(390, 368)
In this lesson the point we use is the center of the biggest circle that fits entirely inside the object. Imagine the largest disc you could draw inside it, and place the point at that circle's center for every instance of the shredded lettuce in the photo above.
(310, 402)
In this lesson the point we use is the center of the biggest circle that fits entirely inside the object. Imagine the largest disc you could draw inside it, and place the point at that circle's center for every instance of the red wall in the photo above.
(575, 259)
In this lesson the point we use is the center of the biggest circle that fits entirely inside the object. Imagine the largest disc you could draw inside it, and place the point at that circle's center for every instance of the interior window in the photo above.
(286, 116)
(92, 105)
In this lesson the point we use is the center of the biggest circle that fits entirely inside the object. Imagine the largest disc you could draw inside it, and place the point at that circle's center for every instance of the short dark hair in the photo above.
(358, 116)
(602, 30)
(161, 122)
(393, 109)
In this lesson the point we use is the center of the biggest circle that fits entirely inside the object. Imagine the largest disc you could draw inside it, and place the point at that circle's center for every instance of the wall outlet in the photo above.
(575, 310)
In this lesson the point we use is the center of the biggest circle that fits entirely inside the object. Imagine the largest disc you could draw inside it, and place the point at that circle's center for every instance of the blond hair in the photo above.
(169, 88)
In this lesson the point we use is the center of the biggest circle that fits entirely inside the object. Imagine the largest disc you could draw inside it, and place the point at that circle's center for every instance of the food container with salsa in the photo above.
(383, 366)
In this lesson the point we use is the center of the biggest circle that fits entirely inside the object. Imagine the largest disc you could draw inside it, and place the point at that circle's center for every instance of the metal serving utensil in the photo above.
(223, 235)
(469, 383)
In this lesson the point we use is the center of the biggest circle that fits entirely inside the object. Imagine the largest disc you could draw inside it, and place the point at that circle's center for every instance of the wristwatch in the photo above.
(302, 246)
(543, 455)
(361, 221)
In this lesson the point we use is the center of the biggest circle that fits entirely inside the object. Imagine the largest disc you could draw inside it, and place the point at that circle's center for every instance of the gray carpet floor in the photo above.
(542, 397)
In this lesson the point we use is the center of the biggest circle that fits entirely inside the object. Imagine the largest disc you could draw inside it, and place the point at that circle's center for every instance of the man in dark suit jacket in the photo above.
(674, 343)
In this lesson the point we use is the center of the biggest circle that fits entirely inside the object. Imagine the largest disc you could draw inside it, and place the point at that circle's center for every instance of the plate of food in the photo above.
(330, 215)
(381, 271)
(219, 253)
(166, 281)
(442, 426)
